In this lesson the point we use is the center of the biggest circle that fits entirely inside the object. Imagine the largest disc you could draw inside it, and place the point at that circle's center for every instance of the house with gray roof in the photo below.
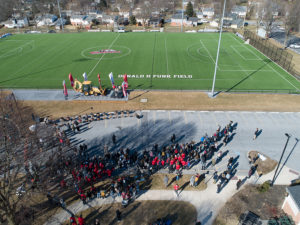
(291, 204)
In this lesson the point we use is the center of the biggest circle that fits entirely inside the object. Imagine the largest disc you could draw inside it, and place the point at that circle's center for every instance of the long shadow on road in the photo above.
(138, 138)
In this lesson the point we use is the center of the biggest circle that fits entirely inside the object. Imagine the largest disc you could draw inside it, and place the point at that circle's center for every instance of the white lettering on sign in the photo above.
(158, 76)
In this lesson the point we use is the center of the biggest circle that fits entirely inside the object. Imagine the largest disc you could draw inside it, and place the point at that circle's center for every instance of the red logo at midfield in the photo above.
(104, 51)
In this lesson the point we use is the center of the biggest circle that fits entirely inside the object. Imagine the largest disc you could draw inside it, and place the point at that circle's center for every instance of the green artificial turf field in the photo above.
(176, 61)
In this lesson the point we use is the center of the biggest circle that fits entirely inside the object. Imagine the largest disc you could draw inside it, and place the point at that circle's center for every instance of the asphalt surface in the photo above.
(58, 95)
(157, 126)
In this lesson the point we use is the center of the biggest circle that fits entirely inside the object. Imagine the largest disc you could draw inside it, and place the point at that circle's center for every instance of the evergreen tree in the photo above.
(189, 10)
(132, 20)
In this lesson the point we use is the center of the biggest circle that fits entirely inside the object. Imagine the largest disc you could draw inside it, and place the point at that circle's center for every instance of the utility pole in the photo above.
(182, 16)
(287, 141)
(212, 94)
(61, 21)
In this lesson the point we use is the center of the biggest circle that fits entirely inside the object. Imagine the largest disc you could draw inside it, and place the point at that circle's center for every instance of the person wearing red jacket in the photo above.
(80, 220)
(177, 166)
(176, 189)
(73, 220)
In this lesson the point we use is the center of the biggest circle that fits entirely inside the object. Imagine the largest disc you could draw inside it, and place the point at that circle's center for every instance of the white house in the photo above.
(46, 20)
(22, 22)
(241, 11)
(291, 204)
(208, 12)
(108, 19)
(9, 24)
(77, 20)
(214, 23)
(13, 23)
(177, 19)
(187, 21)
(125, 13)
(199, 15)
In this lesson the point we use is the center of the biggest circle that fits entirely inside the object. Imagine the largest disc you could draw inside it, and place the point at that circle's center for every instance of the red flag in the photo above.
(124, 87)
(71, 79)
(65, 89)
(125, 78)
(99, 78)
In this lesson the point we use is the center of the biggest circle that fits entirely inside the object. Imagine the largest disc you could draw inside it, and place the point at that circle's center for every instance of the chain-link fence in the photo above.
(279, 55)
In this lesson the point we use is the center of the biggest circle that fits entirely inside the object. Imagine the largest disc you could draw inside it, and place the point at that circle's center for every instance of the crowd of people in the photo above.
(86, 170)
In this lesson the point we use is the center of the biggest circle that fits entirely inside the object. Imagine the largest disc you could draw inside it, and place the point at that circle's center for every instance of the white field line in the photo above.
(103, 55)
(271, 66)
(34, 60)
(3, 55)
(242, 55)
(208, 53)
(167, 56)
(239, 65)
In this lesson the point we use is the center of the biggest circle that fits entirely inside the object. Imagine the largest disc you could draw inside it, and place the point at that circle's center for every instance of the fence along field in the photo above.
(176, 61)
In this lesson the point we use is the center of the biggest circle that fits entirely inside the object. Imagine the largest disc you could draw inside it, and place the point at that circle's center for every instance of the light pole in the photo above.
(61, 21)
(182, 17)
(212, 94)
(287, 141)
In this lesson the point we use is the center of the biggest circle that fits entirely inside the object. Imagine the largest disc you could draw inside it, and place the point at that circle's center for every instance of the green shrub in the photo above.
(264, 187)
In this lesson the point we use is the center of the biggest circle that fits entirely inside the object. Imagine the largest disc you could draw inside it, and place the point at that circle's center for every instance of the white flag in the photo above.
(84, 76)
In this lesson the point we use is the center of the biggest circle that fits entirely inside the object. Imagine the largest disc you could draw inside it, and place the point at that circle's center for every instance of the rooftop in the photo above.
(294, 192)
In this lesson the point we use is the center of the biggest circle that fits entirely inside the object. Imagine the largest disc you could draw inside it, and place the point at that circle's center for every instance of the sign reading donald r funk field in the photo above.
(157, 76)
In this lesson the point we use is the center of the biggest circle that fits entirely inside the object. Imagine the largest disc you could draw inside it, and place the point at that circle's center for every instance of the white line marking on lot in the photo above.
(103, 55)
(160, 110)
(185, 119)
(208, 53)
(259, 120)
(154, 116)
(105, 123)
(214, 117)
(243, 118)
(219, 111)
(191, 111)
(200, 118)
(145, 110)
(175, 111)
(270, 116)
(167, 56)
(169, 113)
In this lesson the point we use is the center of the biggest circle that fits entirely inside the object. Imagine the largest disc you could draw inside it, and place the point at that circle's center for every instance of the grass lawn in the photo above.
(178, 61)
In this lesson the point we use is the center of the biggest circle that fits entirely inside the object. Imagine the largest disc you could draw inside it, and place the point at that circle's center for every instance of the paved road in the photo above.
(57, 95)
(157, 127)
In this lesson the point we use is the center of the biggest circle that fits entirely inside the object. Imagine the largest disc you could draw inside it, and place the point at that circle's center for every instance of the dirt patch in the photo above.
(171, 100)
(142, 212)
(263, 167)
(266, 205)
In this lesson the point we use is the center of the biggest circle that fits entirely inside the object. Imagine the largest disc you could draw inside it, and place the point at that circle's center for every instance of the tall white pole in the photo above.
(182, 17)
(62, 24)
(216, 66)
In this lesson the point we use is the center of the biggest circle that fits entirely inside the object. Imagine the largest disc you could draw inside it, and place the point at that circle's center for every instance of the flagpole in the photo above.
(212, 94)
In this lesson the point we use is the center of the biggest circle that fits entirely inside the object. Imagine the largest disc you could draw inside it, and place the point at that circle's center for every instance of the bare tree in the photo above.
(291, 18)
(21, 153)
